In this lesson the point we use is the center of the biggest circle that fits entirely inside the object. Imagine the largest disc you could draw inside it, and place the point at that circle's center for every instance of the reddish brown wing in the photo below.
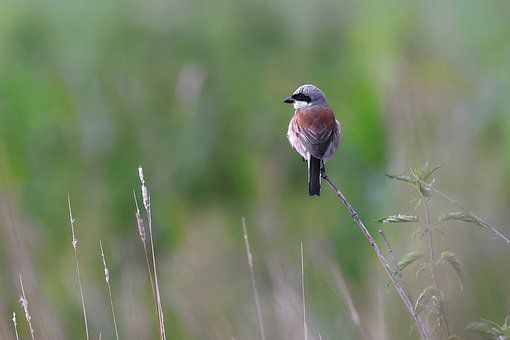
(315, 128)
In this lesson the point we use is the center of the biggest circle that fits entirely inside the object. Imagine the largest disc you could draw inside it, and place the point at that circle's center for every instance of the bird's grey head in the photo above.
(307, 96)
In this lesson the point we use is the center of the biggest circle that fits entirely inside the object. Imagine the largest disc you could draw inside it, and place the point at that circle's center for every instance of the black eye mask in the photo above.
(301, 97)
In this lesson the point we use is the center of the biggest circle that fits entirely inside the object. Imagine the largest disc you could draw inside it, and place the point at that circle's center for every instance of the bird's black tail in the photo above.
(314, 176)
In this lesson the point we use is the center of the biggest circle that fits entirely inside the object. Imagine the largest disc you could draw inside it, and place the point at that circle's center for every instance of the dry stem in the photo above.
(342, 287)
(398, 287)
(253, 282)
(107, 279)
(305, 327)
(141, 232)
(24, 304)
(75, 247)
(147, 206)
(15, 325)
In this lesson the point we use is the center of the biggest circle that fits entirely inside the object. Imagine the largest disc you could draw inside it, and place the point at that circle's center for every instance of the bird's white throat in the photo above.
(300, 104)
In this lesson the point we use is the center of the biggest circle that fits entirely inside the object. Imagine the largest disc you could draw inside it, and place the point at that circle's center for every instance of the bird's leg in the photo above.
(323, 168)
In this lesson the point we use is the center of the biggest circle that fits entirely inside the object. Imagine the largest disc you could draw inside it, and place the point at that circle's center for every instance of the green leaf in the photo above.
(489, 329)
(388, 284)
(429, 171)
(460, 216)
(454, 262)
(424, 171)
(425, 297)
(408, 259)
(483, 328)
(397, 219)
(403, 178)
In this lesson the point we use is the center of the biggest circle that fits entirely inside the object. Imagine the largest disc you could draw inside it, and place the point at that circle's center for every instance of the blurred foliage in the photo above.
(192, 90)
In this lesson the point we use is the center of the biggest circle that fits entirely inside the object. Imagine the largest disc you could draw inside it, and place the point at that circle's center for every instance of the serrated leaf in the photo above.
(425, 297)
(482, 327)
(488, 328)
(397, 219)
(454, 262)
(408, 259)
(429, 171)
(403, 178)
(424, 171)
(460, 216)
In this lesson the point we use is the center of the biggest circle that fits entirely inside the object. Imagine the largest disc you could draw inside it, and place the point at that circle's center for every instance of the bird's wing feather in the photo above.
(315, 129)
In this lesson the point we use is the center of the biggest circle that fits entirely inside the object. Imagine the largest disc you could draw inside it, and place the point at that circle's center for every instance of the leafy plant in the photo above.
(430, 302)
(491, 330)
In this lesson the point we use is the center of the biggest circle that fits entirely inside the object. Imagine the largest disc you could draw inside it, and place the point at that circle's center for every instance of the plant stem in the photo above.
(398, 287)
(305, 327)
(433, 273)
(395, 262)
(344, 290)
(253, 282)
(469, 212)
(75, 247)
(107, 279)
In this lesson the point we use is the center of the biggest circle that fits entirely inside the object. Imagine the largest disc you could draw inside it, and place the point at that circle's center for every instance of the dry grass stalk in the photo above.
(305, 327)
(24, 304)
(107, 279)
(253, 282)
(147, 206)
(398, 287)
(15, 325)
(344, 290)
(141, 233)
(75, 247)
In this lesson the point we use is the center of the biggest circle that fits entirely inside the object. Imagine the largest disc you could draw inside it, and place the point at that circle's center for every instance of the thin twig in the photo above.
(24, 304)
(466, 210)
(15, 325)
(399, 274)
(253, 282)
(141, 233)
(433, 273)
(147, 206)
(397, 268)
(107, 279)
(398, 287)
(320, 336)
(305, 327)
(75, 247)
(342, 287)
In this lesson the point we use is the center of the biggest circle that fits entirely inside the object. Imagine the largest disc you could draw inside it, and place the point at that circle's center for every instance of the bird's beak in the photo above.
(288, 100)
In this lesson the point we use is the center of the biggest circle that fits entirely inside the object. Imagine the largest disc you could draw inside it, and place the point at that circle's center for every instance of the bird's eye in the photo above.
(301, 97)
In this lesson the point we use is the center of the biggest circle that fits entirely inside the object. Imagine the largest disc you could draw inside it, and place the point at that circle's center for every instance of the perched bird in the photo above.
(313, 132)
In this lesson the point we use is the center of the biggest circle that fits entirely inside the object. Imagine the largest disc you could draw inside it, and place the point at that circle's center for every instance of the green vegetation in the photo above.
(192, 91)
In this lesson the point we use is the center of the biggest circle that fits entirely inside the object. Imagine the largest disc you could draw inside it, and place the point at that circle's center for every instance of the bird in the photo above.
(313, 131)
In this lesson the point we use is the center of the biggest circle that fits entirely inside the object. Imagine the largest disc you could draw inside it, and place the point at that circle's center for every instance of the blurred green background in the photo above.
(192, 90)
